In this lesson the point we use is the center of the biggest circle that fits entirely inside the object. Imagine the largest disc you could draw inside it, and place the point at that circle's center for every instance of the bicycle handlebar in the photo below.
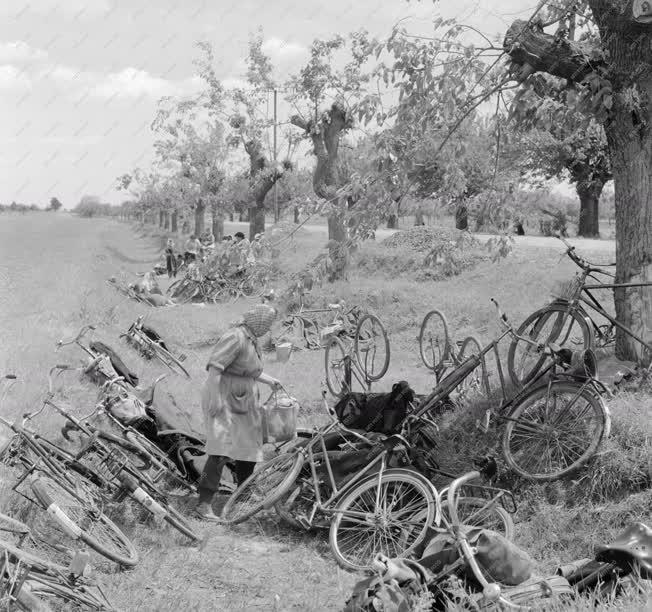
(77, 338)
(580, 261)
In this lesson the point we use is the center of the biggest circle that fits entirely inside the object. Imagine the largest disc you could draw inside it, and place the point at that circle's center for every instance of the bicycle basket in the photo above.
(107, 466)
(567, 290)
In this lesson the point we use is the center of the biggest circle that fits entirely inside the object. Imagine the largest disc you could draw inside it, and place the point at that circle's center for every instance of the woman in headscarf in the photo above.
(230, 403)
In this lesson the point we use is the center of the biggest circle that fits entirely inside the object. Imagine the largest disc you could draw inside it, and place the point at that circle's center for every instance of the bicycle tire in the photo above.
(422, 514)
(517, 428)
(28, 601)
(336, 386)
(121, 551)
(471, 346)
(475, 515)
(281, 472)
(70, 595)
(437, 362)
(158, 456)
(30, 558)
(363, 356)
(138, 458)
(166, 358)
(536, 321)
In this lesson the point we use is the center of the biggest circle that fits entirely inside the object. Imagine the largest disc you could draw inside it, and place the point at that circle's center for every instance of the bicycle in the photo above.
(126, 290)
(150, 344)
(439, 353)
(566, 321)
(75, 507)
(559, 418)
(101, 366)
(110, 469)
(391, 503)
(345, 360)
(28, 582)
(487, 506)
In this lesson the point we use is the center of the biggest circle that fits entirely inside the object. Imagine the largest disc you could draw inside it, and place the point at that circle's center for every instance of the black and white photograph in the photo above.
(325, 306)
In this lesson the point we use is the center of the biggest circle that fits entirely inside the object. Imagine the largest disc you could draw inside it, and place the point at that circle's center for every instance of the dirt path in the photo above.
(527, 241)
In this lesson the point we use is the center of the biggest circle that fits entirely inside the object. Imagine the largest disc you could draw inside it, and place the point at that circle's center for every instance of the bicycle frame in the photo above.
(591, 301)
(450, 382)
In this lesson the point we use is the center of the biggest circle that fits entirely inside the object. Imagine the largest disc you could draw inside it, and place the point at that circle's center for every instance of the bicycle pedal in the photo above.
(304, 522)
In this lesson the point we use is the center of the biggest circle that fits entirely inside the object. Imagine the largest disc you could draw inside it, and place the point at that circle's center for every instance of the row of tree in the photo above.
(570, 103)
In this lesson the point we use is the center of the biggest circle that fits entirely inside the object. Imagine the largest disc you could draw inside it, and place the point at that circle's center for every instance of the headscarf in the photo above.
(259, 319)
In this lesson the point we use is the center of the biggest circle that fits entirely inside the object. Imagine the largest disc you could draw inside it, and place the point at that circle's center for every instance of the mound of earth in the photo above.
(429, 253)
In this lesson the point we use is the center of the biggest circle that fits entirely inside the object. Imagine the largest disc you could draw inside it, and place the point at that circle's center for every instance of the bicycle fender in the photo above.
(71, 529)
(148, 502)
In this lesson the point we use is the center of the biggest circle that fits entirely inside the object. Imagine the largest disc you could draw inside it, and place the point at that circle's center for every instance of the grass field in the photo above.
(53, 273)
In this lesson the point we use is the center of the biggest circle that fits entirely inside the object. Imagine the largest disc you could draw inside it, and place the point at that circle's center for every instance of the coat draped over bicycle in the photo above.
(230, 402)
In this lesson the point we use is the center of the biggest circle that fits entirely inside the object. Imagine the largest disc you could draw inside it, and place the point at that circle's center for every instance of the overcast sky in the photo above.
(79, 79)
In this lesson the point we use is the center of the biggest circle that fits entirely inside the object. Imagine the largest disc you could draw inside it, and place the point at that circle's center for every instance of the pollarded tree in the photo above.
(328, 100)
(248, 122)
(195, 152)
(556, 139)
(55, 204)
(611, 69)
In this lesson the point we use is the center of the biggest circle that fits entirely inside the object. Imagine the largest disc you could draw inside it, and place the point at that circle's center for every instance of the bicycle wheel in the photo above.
(168, 359)
(554, 430)
(434, 340)
(555, 323)
(479, 512)
(159, 460)
(335, 360)
(81, 520)
(47, 590)
(479, 381)
(371, 347)
(360, 528)
(267, 485)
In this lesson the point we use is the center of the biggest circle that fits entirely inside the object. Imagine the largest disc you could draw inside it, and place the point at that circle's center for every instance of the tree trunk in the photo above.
(336, 229)
(462, 217)
(296, 214)
(173, 221)
(256, 220)
(200, 208)
(392, 221)
(166, 220)
(218, 227)
(631, 156)
(231, 217)
(418, 217)
(589, 223)
(161, 218)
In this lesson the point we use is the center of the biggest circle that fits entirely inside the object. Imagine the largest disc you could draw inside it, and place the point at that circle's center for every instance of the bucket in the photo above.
(283, 351)
(279, 419)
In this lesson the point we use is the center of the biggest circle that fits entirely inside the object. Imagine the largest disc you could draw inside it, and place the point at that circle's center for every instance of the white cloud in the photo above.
(135, 83)
(19, 51)
(13, 79)
(279, 48)
(234, 83)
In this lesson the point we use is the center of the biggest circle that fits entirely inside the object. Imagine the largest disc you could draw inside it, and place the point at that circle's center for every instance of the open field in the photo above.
(53, 271)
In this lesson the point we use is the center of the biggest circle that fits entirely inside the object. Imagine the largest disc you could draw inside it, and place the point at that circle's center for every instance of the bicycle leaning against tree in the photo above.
(566, 321)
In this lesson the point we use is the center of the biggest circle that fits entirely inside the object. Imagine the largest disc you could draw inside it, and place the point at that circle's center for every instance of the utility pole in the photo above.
(276, 211)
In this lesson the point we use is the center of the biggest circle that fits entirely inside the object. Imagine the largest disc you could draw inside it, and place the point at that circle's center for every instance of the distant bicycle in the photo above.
(150, 344)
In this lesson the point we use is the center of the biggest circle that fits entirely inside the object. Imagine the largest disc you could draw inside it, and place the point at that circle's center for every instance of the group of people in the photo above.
(235, 251)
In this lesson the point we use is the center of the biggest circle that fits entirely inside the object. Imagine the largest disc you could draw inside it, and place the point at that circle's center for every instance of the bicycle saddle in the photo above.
(631, 550)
